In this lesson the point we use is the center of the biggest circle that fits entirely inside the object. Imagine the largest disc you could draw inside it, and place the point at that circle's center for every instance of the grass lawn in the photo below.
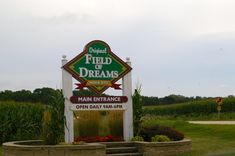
(207, 140)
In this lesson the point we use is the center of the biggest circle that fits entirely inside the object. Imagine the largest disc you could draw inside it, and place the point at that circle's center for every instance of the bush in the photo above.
(160, 138)
(137, 138)
(20, 121)
(148, 132)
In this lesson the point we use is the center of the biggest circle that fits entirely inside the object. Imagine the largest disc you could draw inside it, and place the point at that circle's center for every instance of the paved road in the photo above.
(213, 122)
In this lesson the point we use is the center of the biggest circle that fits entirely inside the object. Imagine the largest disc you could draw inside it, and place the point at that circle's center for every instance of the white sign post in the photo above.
(128, 113)
(68, 113)
(90, 63)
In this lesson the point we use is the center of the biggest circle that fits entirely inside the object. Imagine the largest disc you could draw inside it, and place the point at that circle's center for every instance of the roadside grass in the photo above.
(0, 150)
(207, 140)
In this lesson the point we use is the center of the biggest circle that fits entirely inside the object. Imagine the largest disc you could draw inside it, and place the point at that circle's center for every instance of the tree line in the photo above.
(170, 99)
(43, 95)
(39, 95)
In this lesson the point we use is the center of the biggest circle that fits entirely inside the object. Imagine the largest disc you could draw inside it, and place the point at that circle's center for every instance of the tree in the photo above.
(150, 100)
(44, 95)
(23, 96)
(83, 92)
(6, 95)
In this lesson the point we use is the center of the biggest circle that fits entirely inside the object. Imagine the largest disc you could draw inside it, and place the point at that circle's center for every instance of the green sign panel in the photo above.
(97, 67)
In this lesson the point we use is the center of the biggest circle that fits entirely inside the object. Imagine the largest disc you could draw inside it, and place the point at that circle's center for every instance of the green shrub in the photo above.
(160, 138)
(20, 121)
(137, 138)
(148, 132)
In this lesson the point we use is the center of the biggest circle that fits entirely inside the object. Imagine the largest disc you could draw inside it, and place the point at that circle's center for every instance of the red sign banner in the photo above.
(98, 99)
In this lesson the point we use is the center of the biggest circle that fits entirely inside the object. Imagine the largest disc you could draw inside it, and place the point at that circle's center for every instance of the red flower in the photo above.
(107, 138)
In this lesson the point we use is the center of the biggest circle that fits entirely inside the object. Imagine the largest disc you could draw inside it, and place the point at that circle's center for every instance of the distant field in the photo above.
(207, 140)
(197, 109)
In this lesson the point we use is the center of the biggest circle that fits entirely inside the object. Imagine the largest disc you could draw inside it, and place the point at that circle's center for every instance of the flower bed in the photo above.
(107, 138)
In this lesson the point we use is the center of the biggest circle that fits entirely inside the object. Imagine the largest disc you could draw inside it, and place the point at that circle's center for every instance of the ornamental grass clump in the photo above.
(137, 138)
(53, 120)
(137, 109)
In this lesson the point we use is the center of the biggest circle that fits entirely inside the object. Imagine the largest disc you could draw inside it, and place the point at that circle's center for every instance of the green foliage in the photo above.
(160, 138)
(83, 92)
(151, 130)
(45, 95)
(20, 121)
(53, 121)
(137, 138)
(197, 107)
(137, 110)
(41, 95)
(150, 100)
(170, 99)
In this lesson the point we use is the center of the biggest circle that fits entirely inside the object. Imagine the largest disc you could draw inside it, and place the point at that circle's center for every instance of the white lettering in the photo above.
(97, 60)
(88, 58)
(98, 51)
(115, 74)
(83, 72)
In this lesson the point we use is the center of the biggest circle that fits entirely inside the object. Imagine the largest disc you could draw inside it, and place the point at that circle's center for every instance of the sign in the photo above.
(219, 101)
(97, 67)
(84, 107)
(98, 99)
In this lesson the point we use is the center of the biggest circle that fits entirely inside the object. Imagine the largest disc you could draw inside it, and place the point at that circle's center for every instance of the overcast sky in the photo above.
(182, 47)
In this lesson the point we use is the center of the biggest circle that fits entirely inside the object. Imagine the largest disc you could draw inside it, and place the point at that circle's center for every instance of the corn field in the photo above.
(197, 107)
(20, 121)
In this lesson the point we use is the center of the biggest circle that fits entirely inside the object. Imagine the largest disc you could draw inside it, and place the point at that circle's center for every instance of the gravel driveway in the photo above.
(213, 122)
